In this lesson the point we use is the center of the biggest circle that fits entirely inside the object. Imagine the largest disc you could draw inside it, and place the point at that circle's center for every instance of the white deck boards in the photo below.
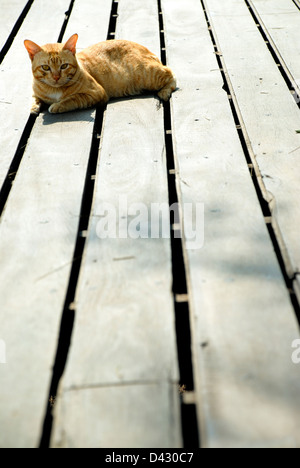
(269, 114)
(243, 322)
(281, 20)
(132, 414)
(37, 240)
(124, 345)
(133, 26)
(89, 21)
(119, 388)
(10, 12)
(42, 24)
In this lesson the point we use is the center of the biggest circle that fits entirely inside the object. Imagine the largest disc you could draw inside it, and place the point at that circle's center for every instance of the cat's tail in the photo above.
(170, 84)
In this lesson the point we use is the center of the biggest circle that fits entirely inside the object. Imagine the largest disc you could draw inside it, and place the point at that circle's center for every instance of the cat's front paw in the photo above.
(35, 110)
(36, 106)
(56, 108)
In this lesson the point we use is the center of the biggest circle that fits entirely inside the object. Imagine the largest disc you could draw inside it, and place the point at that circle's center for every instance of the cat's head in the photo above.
(53, 64)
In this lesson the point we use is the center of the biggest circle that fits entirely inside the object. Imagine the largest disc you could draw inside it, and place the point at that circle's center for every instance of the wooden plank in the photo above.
(37, 238)
(133, 417)
(270, 116)
(242, 320)
(85, 21)
(296, 284)
(133, 16)
(38, 232)
(134, 301)
(10, 12)
(42, 24)
(281, 21)
(124, 348)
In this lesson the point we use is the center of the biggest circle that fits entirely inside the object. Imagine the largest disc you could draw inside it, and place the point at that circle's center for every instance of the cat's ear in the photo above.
(71, 44)
(32, 48)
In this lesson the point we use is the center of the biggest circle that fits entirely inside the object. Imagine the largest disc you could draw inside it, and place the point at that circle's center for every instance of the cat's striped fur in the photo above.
(68, 81)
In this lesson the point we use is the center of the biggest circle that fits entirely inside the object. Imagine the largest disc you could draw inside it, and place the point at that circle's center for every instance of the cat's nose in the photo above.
(56, 77)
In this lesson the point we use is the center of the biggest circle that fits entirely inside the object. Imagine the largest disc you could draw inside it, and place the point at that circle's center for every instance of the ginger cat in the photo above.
(69, 81)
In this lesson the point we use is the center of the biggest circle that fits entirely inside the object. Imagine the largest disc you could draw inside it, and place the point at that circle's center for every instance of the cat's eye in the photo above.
(45, 67)
(65, 65)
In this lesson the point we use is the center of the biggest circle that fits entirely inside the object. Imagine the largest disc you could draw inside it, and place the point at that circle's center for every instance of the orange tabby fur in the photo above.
(69, 81)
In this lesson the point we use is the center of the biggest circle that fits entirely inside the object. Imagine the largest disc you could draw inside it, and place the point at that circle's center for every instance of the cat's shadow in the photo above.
(86, 115)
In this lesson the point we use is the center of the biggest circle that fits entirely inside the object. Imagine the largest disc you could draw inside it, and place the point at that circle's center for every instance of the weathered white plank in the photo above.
(281, 21)
(297, 287)
(133, 17)
(125, 284)
(140, 424)
(242, 320)
(124, 336)
(10, 12)
(270, 116)
(89, 21)
(42, 24)
(37, 238)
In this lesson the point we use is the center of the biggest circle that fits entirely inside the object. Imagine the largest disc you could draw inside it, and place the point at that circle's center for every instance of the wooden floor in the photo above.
(98, 334)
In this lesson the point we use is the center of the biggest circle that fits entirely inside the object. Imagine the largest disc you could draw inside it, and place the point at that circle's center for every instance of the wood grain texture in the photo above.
(10, 12)
(38, 232)
(124, 294)
(141, 421)
(89, 21)
(133, 17)
(281, 21)
(42, 24)
(242, 320)
(120, 384)
(124, 335)
(270, 116)
(37, 239)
